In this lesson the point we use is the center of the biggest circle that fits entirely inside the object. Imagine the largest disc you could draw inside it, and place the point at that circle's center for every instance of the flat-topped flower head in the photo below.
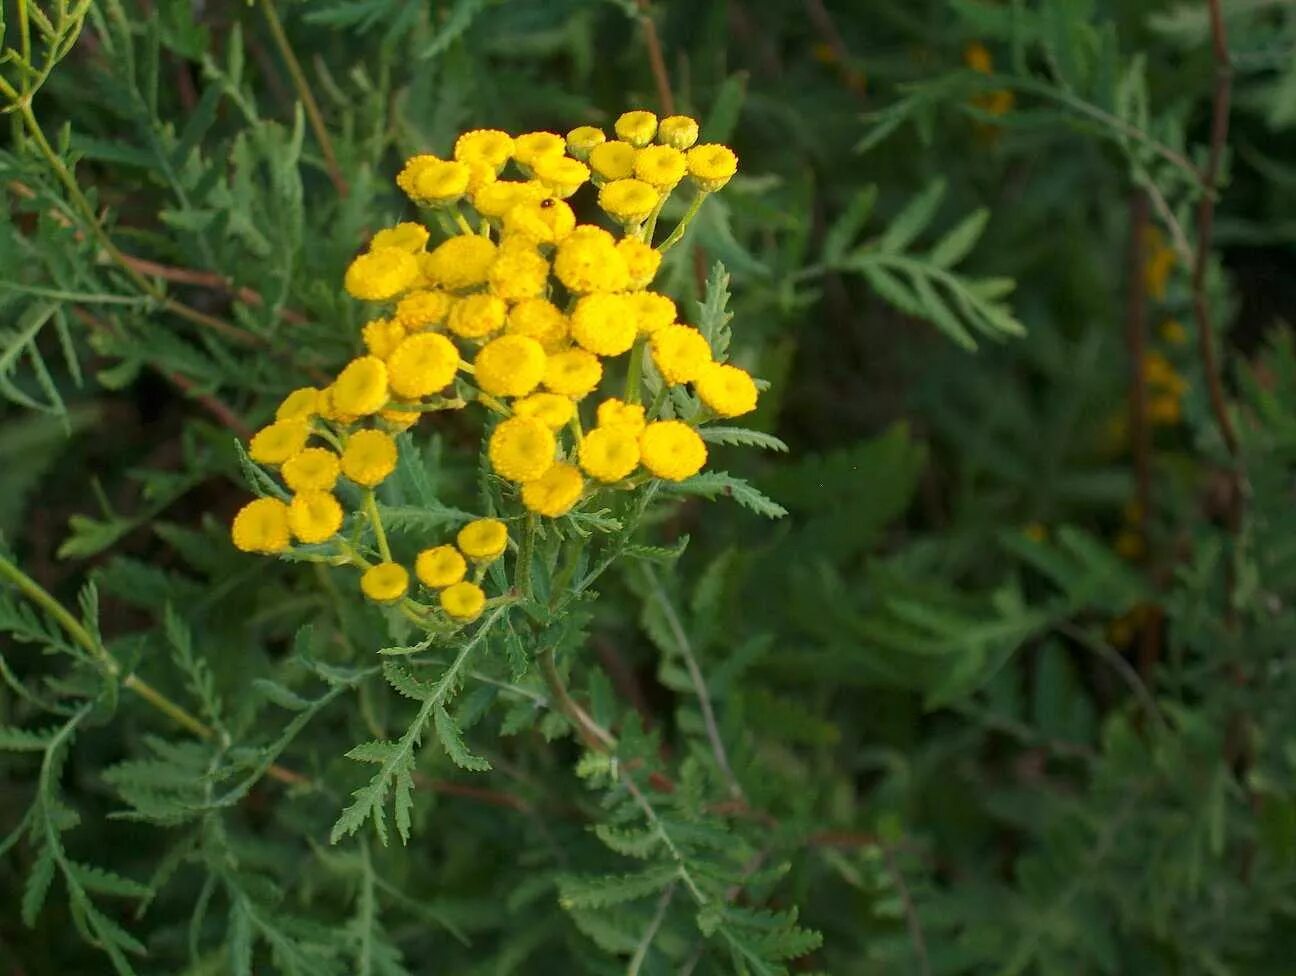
(546, 220)
(519, 271)
(555, 492)
(637, 128)
(672, 450)
(573, 372)
(434, 182)
(278, 442)
(727, 390)
(300, 404)
(381, 336)
(261, 526)
(642, 261)
(496, 199)
(561, 175)
(463, 602)
(679, 353)
(678, 132)
(617, 413)
(461, 262)
(489, 146)
(361, 388)
(612, 161)
(539, 319)
(660, 166)
(510, 366)
(314, 469)
(653, 311)
(477, 316)
(530, 148)
(552, 409)
(583, 139)
(380, 274)
(426, 308)
(711, 166)
(314, 516)
(588, 260)
(628, 201)
(385, 582)
(609, 453)
(521, 448)
(422, 364)
(407, 236)
(604, 324)
(369, 457)
(483, 540)
(440, 566)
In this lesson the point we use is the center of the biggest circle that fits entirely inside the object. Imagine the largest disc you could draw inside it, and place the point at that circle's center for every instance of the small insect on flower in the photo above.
(440, 566)
(672, 450)
(555, 492)
(385, 582)
(542, 221)
(314, 516)
(463, 602)
(483, 540)
(521, 448)
(261, 526)
(369, 457)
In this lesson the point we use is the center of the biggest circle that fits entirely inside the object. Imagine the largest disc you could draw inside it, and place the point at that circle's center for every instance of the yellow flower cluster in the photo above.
(977, 57)
(520, 306)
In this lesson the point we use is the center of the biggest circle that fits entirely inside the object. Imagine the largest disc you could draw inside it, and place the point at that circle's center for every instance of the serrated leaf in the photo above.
(958, 243)
(742, 437)
(451, 737)
(23, 740)
(712, 484)
(600, 891)
(913, 219)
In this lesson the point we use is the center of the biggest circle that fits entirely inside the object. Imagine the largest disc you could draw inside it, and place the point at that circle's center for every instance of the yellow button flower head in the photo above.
(407, 236)
(314, 516)
(483, 540)
(434, 182)
(489, 146)
(637, 128)
(314, 469)
(679, 352)
(520, 449)
(539, 319)
(641, 261)
(544, 221)
(573, 373)
(554, 492)
(660, 166)
(440, 566)
(711, 166)
(653, 311)
(369, 457)
(300, 404)
(261, 526)
(479, 175)
(582, 140)
(328, 410)
(551, 409)
(612, 161)
(477, 316)
(609, 453)
(677, 131)
(617, 413)
(381, 336)
(561, 175)
(519, 271)
(413, 168)
(381, 274)
(424, 309)
(278, 442)
(385, 582)
(532, 147)
(460, 262)
(510, 366)
(604, 324)
(628, 201)
(361, 388)
(496, 199)
(588, 260)
(672, 450)
(727, 390)
(423, 364)
(398, 420)
(463, 601)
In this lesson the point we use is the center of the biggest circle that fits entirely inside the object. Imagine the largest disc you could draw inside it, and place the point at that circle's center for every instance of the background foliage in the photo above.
(1007, 690)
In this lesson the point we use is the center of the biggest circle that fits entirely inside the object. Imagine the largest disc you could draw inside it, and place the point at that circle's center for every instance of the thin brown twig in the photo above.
(656, 58)
(1136, 345)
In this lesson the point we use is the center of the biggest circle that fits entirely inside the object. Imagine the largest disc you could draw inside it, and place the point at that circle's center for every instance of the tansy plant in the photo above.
(592, 392)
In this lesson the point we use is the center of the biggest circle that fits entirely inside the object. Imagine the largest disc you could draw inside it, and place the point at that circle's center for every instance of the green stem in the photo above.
(654, 410)
(371, 510)
(526, 556)
(650, 225)
(633, 369)
(678, 233)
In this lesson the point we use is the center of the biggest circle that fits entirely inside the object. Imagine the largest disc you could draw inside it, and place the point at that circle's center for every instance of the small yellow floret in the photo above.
(483, 540)
(539, 319)
(642, 261)
(679, 352)
(381, 336)
(653, 311)
(628, 201)
(519, 271)
(612, 161)
(385, 582)
(489, 146)
(496, 199)
(460, 262)
(510, 366)
(573, 372)
(660, 166)
(727, 390)
(531, 147)
(361, 388)
(440, 566)
(617, 413)
(328, 410)
(544, 220)
(711, 166)
(604, 324)
(588, 260)
(677, 131)
(381, 274)
(397, 420)
(637, 128)
(554, 492)
(609, 453)
(314, 469)
(423, 364)
(521, 448)
(551, 409)
(369, 457)
(424, 309)
(582, 140)
(278, 442)
(434, 182)
(672, 450)
(477, 316)
(300, 404)
(463, 601)
(407, 235)
(261, 526)
(314, 516)
(561, 175)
